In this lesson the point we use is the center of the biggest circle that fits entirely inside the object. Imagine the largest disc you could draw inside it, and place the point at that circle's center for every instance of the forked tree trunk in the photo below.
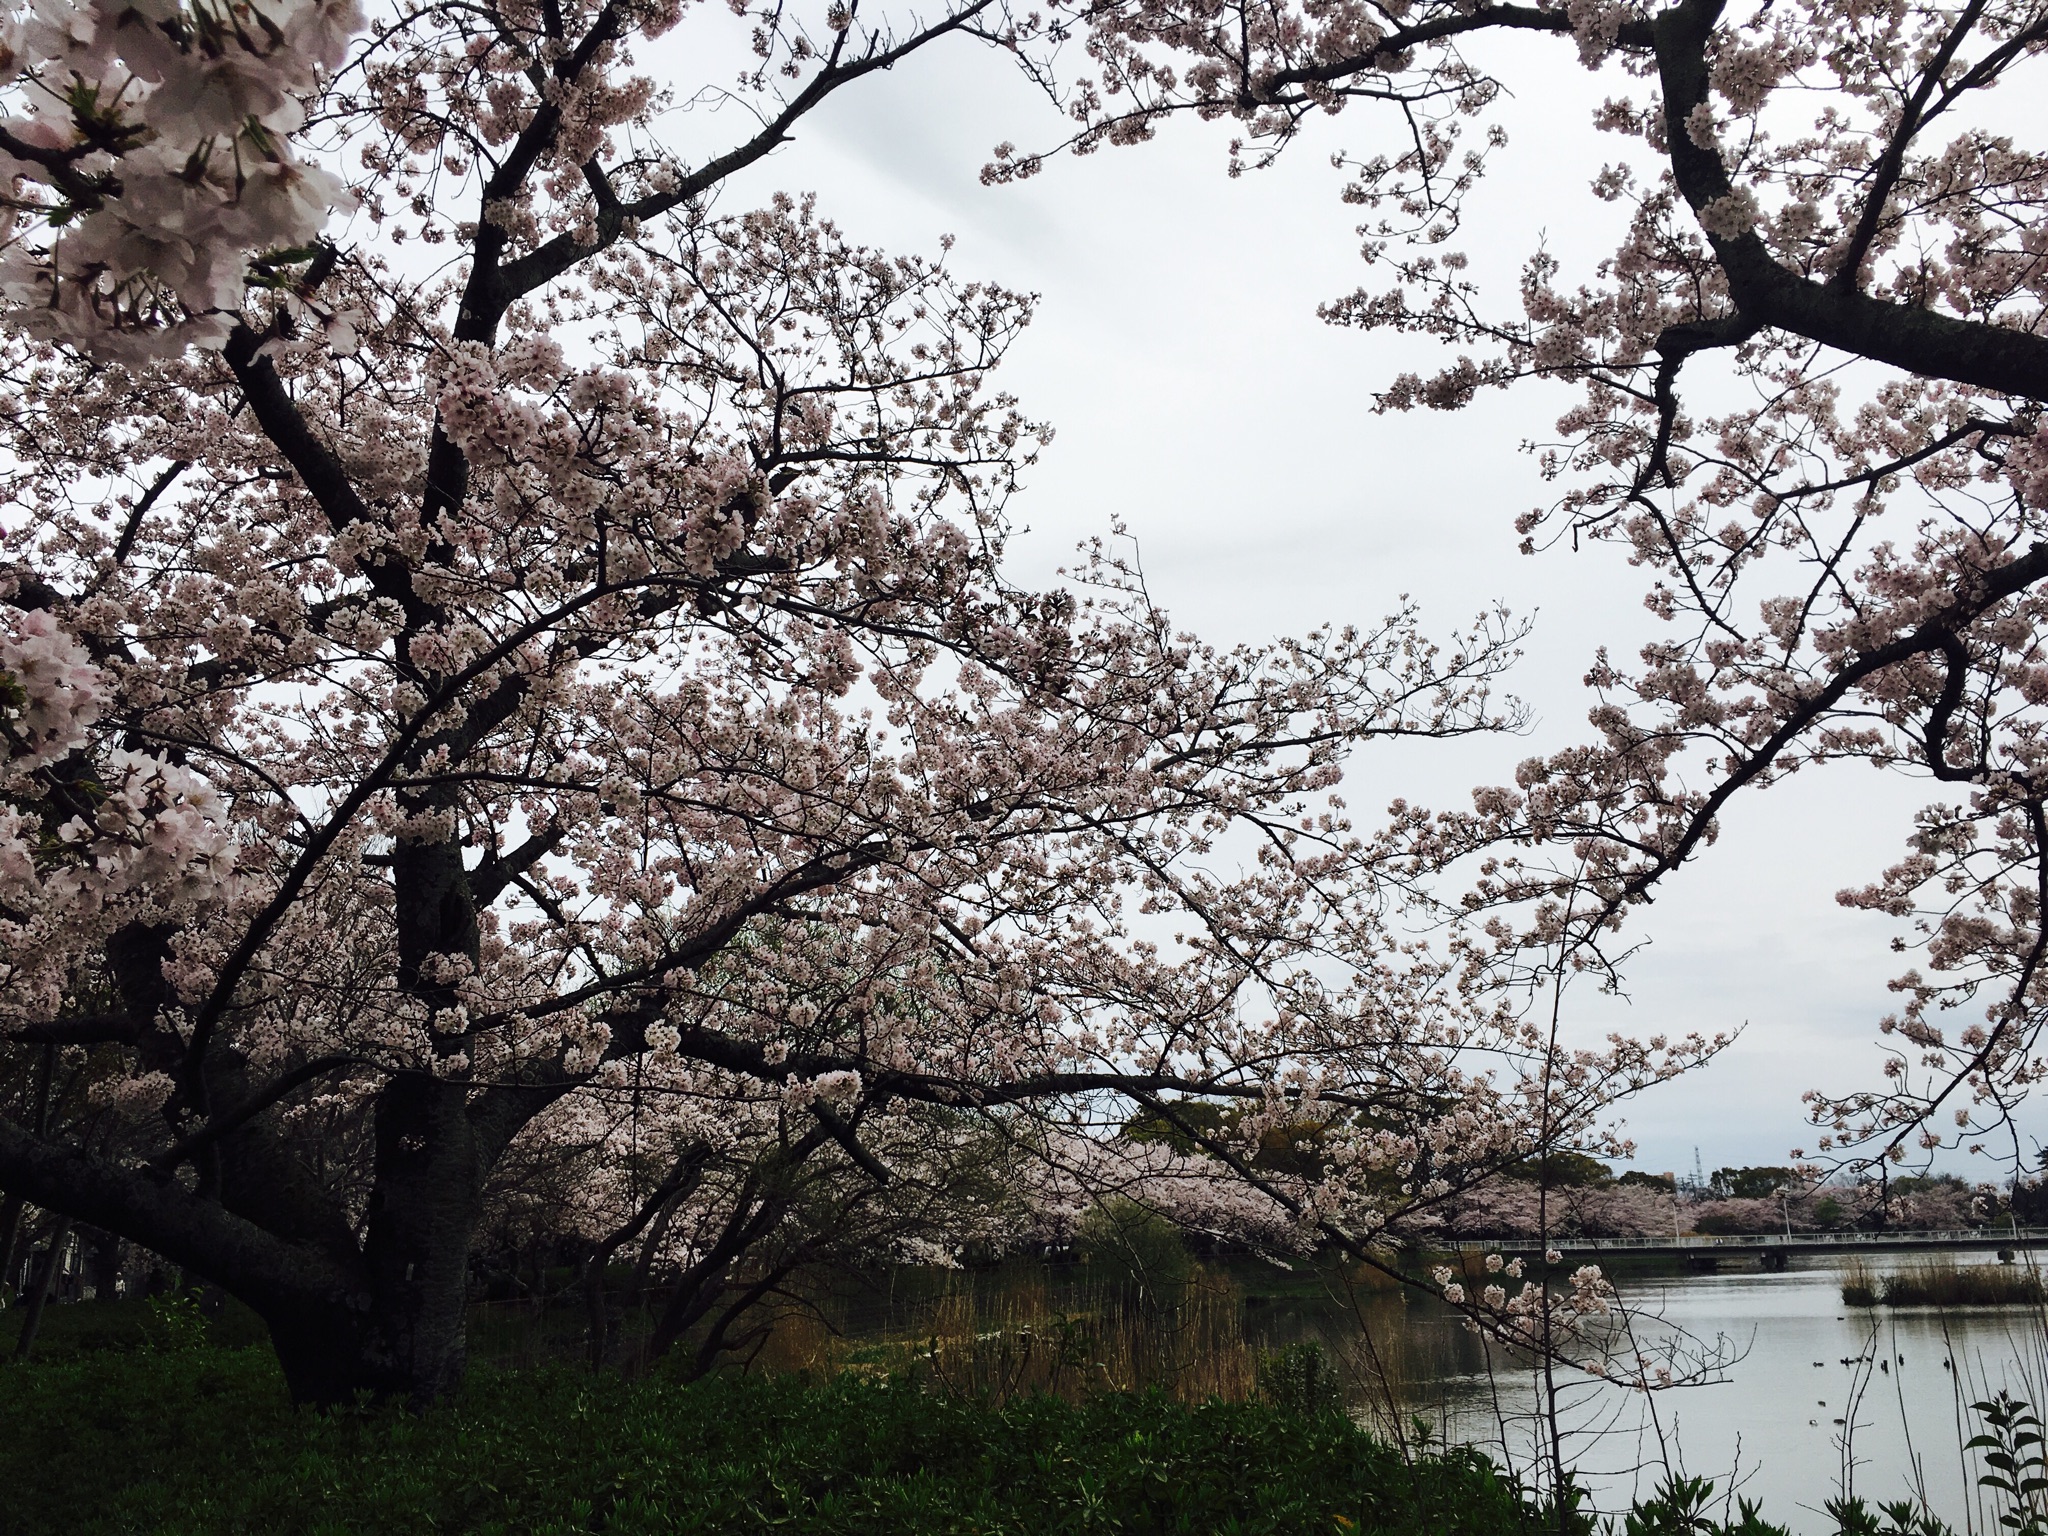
(334, 1356)
(382, 1317)
(405, 1342)
(372, 1307)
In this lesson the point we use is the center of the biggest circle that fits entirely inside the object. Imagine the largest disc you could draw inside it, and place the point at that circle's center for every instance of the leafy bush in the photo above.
(1299, 1380)
(1682, 1506)
(201, 1442)
(183, 1438)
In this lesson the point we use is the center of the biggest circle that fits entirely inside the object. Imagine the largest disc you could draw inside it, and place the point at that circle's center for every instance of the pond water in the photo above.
(1814, 1396)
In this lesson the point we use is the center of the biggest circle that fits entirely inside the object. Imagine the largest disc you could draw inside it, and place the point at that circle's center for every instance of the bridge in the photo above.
(1773, 1249)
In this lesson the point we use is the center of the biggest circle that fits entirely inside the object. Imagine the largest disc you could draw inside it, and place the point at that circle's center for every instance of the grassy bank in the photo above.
(157, 1419)
(200, 1442)
(1944, 1283)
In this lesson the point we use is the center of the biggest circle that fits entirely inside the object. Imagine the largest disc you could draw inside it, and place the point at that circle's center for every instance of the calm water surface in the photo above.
(1800, 1410)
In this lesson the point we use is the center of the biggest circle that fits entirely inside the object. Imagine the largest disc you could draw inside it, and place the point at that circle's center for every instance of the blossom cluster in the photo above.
(142, 839)
(49, 690)
(151, 147)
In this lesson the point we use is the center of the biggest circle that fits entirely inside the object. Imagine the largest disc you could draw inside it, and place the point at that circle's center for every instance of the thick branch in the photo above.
(1920, 341)
(279, 417)
(491, 294)
(93, 1029)
(496, 872)
(1486, 18)
(1885, 175)
(154, 1210)
(1939, 633)
(843, 1133)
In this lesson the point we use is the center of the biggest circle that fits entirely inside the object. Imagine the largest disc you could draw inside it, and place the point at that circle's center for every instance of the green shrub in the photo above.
(1300, 1380)
(201, 1442)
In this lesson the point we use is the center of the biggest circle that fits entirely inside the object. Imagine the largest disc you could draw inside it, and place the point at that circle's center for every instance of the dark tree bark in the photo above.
(1919, 340)
(385, 1318)
(656, 1208)
(39, 1290)
(403, 1335)
(103, 1254)
(10, 1231)
(763, 1198)
(720, 1339)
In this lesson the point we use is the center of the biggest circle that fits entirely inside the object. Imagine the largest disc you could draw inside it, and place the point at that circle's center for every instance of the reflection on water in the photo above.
(1815, 1396)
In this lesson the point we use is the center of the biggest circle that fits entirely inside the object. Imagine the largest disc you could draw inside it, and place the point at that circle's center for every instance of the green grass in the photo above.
(94, 1327)
(199, 1441)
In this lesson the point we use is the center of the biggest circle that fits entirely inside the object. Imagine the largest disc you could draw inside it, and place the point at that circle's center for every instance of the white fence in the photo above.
(1966, 1237)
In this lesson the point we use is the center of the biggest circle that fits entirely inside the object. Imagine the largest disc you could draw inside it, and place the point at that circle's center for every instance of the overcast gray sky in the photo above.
(1199, 399)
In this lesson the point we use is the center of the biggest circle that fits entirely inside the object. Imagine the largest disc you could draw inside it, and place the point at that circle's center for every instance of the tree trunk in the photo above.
(382, 1316)
(410, 1340)
(39, 1117)
(697, 1290)
(409, 1345)
(404, 1335)
(39, 1290)
(103, 1264)
(332, 1357)
(596, 1320)
(10, 1228)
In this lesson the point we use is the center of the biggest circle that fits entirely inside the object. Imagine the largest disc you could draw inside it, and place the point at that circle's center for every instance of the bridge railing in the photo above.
(1959, 1237)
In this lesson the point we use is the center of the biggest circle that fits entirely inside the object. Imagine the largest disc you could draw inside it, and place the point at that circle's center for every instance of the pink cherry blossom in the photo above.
(138, 237)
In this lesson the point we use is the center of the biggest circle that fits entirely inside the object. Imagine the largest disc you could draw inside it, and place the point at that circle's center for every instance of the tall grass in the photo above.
(1941, 1282)
(1001, 1344)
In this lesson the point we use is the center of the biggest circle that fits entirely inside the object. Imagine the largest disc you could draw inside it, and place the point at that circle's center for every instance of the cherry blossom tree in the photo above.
(1808, 406)
(527, 674)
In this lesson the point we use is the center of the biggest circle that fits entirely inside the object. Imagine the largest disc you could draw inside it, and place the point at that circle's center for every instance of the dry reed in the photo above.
(1942, 1282)
(1014, 1342)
